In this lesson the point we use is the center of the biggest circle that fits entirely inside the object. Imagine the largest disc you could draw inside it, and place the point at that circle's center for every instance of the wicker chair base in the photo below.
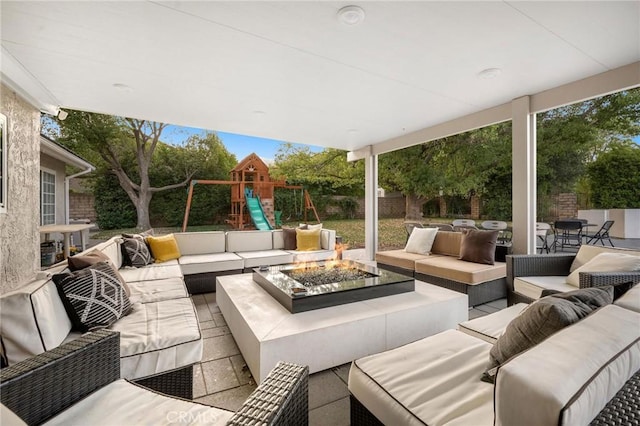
(175, 383)
(624, 407)
(478, 293)
(399, 270)
(205, 282)
(360, 416)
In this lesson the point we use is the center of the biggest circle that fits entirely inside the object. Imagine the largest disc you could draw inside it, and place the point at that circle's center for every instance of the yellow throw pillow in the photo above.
(164, 248)
(308, 239)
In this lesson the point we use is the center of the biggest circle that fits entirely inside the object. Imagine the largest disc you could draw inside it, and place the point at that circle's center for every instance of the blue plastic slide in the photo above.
(257, 214)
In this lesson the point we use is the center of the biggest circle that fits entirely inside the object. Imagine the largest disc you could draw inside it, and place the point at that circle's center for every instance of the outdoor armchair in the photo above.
(41, 388)
(556, 265)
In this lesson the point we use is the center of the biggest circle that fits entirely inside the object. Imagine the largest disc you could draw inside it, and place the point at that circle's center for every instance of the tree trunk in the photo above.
(142, 209)
(413, 205)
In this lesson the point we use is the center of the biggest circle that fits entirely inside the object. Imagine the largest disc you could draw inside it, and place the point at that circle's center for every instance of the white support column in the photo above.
(370, 205)
(524, 176)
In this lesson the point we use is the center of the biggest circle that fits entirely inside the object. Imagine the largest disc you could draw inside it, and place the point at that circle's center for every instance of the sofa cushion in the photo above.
(421, 240)
(215, 262)
(532, 286)
(478, 246)
(201, 242)
(289, 238)
(112, 248)
(32, 320)
(447, 243)
(631, 299)
(149, 273)
(163, 248)
(82, 260)
(328, 239)
(125, 403)
(308, 239)
(157, 290)
(434, 381)
(253, 259)
(572, 374)
(458, 270)
(490, 327)
(588, 252)
(135, 252)
(606, 262)
(249, 240)
(544, 318)
(158, 337)
(399, 258)
(93, 297)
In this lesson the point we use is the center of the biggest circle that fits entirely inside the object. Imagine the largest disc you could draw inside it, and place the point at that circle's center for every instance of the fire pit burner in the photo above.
(309, 277)
(301, 288)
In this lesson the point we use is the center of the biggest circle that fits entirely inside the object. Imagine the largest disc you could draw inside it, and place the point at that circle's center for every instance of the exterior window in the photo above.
(47, 198)
(3, 163)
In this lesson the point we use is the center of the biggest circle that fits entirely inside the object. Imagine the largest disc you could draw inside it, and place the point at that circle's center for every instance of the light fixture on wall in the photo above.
(62, 115)
(351, 15)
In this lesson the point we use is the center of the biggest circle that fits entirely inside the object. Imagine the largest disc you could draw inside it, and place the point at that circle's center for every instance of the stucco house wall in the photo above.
(19, 236)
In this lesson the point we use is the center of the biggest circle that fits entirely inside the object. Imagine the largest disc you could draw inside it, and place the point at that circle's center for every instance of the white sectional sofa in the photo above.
(585, 371)
(160, 338)
(205, 255)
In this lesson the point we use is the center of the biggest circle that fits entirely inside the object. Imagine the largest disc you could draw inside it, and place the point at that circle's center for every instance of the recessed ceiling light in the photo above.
(351, 15)
(489, 73)
(123, 87)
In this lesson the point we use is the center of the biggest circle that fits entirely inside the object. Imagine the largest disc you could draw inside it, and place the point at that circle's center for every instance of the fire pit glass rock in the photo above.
(302, 288)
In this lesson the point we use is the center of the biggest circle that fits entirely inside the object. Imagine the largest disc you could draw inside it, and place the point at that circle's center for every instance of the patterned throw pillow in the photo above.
(135, 251)
(93, 297)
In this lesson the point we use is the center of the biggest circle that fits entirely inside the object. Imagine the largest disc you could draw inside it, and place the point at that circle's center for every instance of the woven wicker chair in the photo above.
(41, 387)
(524, 265)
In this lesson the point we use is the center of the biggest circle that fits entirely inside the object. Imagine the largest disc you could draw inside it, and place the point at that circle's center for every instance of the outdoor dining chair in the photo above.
(542, 232)
(602, 234)
(460, 224)
(504, 235)
(567, 232)
(408, 226)
(441, 226)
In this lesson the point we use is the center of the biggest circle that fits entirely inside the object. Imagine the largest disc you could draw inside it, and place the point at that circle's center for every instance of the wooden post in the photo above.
(186, 211)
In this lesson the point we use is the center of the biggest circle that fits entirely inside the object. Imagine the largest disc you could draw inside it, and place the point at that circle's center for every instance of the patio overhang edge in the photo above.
(622, 78)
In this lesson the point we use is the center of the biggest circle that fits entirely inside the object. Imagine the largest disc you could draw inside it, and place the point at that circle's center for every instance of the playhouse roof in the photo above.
(251, 161)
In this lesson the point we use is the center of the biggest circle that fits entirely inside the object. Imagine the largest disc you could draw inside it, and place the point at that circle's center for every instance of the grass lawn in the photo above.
(391, 232)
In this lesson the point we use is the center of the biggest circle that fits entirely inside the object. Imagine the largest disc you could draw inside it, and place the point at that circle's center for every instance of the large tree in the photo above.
(127, 147)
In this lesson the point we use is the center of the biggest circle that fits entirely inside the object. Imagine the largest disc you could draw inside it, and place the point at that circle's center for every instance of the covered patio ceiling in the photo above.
(292, 71)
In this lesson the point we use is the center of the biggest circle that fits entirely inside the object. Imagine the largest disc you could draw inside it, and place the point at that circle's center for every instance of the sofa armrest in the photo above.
(599, 279)
(40, 387)
(530, 265)
(282, 398)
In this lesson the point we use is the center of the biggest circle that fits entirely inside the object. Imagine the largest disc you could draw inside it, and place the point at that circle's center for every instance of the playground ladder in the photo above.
(308, 205)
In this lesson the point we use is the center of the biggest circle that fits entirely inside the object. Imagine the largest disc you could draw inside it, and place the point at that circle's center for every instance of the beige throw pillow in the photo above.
(606, 262)
(421, 240)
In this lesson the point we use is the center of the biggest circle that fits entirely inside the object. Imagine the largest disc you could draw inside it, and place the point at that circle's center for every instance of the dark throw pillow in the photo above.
(478, 246)
(81, 261)
(289, 236)
(135, 252)
(93, 297)
(543, 318)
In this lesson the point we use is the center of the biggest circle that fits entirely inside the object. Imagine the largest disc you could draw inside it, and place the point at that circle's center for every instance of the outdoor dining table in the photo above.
(66, 231)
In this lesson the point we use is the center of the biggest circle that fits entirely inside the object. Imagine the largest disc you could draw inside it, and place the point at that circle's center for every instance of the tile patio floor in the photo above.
(223, 379)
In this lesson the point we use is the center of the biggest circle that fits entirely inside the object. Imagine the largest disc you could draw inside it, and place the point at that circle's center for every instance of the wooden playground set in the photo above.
(252, 196)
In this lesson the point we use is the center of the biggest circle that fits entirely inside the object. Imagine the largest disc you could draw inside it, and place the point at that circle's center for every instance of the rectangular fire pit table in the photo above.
(266, 332)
